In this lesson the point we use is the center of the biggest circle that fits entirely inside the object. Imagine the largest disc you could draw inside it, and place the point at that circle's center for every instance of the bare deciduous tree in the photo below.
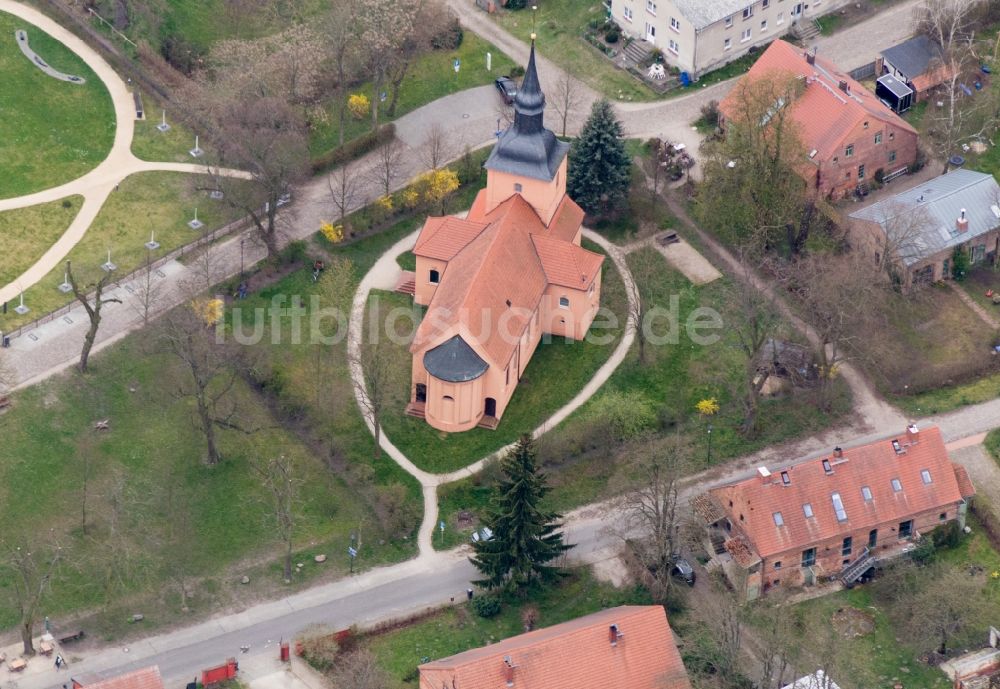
(92, 307)
(754, 320)
(146, 289)
(341, 35)
(645, 267)
(209, 375)
(386, 170)
(30, 568)
(565, 98)
(372, 376)
(359, 670)
(344, 189)
(650, 507)
(438, 147)
(278, 478)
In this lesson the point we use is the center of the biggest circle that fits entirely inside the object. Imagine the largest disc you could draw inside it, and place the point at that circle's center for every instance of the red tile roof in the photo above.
(742, 552)
(965, 486)
(573, 655)
(874, 466)
(146, 678)
(499, 264)
(824, 115)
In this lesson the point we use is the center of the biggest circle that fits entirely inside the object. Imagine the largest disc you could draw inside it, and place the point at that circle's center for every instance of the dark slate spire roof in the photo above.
(527, 148)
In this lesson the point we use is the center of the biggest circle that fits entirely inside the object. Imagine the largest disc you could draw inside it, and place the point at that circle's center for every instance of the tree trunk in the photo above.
(208, 427)
(378, 436)
(288, 561)
(26, 640)
(88, 340)
(397, 81)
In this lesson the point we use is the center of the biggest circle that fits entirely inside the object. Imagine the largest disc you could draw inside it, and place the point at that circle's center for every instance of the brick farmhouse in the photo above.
(848, 135)
(834, 517)
(629, 646)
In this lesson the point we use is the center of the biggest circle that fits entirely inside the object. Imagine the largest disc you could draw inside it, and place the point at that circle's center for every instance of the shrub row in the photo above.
(353, 149)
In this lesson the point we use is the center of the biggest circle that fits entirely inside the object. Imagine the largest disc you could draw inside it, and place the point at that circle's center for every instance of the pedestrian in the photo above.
(59, 662)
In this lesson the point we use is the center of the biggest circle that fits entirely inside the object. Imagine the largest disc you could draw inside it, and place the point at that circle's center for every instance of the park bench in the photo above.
(138, 105)
(71, 638)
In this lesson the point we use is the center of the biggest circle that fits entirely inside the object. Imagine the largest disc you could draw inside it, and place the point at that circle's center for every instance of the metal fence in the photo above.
(177, 253)
(863, 72)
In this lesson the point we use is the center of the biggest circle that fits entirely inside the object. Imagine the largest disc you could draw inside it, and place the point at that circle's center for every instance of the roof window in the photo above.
(807, 509)
(778, 519)
(896, 485)
(866, 493)
(925, 476)
(838, 507)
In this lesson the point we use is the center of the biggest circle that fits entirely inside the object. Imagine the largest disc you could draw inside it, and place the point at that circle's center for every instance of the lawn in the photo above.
(430, 77)
(557, 371)
(458, 628)
(51, 131)
(992, 443)
(560, 25)
(158, 202)
(933, 353)
(583, 468)
(830, 23)
(149, 143)
(27, 233)
(150, 465)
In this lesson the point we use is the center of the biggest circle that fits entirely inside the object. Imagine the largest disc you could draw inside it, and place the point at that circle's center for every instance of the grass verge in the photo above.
(27, 233)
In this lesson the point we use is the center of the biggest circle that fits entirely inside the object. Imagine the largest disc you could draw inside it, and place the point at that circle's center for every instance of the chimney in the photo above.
(810, 58)
(838, 452)
(844, 87)
(962, 224)
(764, 474)
(913, 433)
(614, 634)
(508, 670)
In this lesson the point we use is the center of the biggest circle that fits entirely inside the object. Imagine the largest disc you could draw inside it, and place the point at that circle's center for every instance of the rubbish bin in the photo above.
(285, 654)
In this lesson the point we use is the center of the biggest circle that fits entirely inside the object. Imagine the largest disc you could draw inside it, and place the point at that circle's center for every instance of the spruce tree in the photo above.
(599, 168)
(525, 538)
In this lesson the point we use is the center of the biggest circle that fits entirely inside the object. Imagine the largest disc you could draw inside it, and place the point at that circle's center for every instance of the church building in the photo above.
(499, 278)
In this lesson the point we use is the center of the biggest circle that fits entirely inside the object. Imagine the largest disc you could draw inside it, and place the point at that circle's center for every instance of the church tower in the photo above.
(528, 159)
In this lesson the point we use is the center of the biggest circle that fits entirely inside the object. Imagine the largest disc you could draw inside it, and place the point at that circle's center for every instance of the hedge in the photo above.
(353, 149)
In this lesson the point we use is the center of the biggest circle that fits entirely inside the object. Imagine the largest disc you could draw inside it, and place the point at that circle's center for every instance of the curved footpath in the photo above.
(382, 275)
(96, 185)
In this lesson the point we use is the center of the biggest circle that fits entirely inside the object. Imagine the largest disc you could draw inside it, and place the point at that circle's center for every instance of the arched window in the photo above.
(448, 398)
(434, 277)
(564, 302)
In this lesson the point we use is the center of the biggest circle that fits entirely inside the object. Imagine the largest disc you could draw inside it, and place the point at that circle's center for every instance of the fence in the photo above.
(863, 72)
(177, 253)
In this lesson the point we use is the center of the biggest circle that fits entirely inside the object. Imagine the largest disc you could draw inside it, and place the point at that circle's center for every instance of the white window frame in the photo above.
(729, 21)
(781, 18)
(763, 26)
(673, 46)
(651, 7)
(675, 24)
(746, 35)
(564, 302)
(747, 12)
(627, 13)
(727, 44)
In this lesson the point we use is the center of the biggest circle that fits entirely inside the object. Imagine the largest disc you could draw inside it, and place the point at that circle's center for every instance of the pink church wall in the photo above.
(573, 320)
(543, 196)
(424, 287)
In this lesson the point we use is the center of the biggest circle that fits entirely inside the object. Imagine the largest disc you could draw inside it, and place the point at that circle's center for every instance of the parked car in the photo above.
(682, 569)
(506, 88)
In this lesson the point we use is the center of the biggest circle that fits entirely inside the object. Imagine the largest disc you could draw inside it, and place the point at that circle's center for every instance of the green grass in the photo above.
(829, 24)
(159, 202)
(557, 371)
(149, 143)
(458, 629)
(946, 399)
(560, 25)
(153, 448)
(992, 443)
(430, 77)
(27, 233)
(51, 131)
(582, 469)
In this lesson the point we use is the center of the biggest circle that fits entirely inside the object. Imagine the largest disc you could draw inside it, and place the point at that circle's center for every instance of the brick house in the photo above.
(924, 225)
(628, 646)
(834, 517)
(849, 135)
(143, 678)
(497, 280)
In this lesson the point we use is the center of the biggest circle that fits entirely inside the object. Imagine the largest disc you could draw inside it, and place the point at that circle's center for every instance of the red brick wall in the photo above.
(839, 177)
(829, 560)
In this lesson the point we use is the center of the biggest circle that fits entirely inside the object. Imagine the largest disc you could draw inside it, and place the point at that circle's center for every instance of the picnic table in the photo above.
(17, 664)
(45, 648)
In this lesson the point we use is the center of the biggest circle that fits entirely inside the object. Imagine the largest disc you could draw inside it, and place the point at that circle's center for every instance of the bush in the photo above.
(486, 606)
(516, 71)
(947, 535)
(622, 415)
(319, 648)
(450, 37)
(612, 36)
(353, 149)
(396, 511)
(959, 263)
(710, 113)
(924, 551)
(515, 4)
(879, 175)
(182, 55)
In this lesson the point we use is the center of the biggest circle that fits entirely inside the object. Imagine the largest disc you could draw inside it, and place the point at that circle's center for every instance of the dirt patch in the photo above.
(612, 570)
(688, 261)
(851, 623)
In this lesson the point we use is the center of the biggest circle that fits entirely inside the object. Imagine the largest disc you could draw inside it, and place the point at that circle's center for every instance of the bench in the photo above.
(71, 638)
(139, 114)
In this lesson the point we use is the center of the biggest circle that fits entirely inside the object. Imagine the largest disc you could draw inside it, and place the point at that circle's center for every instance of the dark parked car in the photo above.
(682, 570)
(506, 88)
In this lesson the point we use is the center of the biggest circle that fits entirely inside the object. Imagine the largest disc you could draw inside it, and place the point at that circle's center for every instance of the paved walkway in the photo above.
(384, 275)
(96, 185)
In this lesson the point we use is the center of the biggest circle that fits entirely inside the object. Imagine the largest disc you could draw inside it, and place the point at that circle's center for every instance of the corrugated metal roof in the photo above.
(941, 201)
(702, 13)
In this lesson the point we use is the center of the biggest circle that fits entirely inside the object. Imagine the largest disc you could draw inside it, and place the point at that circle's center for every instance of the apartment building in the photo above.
(697, 36)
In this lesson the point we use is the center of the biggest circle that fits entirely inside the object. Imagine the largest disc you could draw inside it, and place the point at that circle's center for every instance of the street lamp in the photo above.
(709, 443)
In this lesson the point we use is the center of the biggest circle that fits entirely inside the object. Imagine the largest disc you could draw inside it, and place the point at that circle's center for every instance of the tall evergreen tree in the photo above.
(599, 168)
(525, 538)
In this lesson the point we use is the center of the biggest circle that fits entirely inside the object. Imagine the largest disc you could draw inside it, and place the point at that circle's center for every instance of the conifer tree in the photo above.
(599, 168)
(525, 538)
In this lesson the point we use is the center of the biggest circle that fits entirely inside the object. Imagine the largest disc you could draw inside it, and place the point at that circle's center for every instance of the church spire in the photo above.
(527, 148)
